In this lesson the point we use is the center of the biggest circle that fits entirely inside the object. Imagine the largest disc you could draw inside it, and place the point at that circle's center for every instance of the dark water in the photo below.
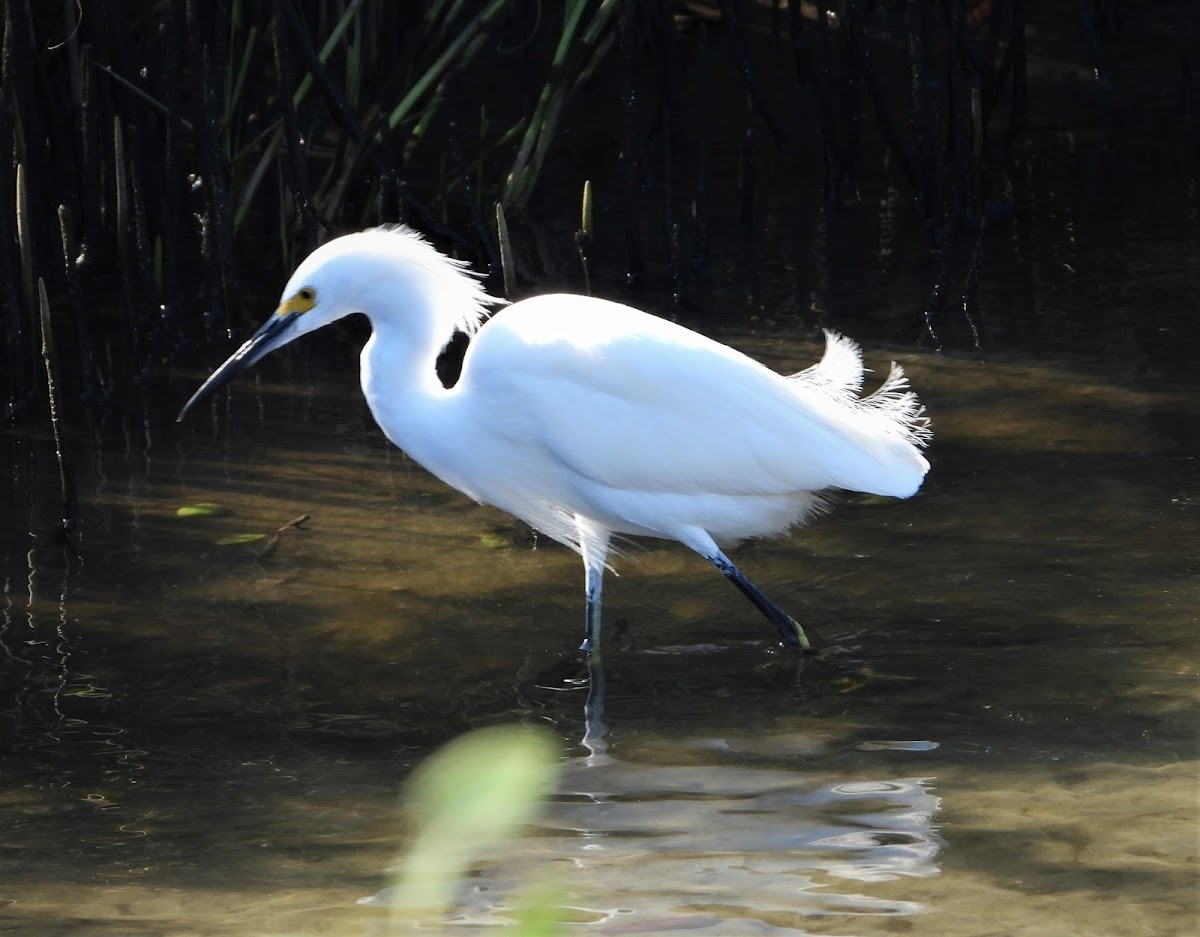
(203, 740)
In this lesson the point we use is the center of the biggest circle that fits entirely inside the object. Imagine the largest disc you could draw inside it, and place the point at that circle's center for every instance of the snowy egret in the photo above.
(586, 418)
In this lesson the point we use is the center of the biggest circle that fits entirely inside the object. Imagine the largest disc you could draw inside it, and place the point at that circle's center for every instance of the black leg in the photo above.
(593, 544)
(789, 629)
(591, 625)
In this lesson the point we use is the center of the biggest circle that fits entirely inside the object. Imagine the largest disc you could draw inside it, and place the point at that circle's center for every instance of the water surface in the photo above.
(1000, 736)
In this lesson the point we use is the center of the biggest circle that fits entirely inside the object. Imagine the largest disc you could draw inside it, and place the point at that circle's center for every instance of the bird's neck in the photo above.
(408, 401)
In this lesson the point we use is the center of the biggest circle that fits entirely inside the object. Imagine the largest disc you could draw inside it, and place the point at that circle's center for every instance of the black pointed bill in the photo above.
(255, 347)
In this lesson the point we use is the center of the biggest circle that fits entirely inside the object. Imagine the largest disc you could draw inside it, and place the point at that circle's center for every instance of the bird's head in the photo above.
(372, 272)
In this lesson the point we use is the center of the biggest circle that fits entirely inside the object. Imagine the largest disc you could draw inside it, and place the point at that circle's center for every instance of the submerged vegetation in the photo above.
(166, 157)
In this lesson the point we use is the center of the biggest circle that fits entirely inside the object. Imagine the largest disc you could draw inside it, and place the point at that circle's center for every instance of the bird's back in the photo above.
(634, 401)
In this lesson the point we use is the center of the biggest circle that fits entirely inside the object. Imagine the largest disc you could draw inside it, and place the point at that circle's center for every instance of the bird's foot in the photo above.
(792, 635)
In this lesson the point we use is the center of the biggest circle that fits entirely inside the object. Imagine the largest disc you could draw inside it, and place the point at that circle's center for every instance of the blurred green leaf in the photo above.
(474, 792)
(539, 913)
(492, 541)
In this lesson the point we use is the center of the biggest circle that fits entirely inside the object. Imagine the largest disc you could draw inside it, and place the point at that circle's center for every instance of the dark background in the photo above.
(858, 164)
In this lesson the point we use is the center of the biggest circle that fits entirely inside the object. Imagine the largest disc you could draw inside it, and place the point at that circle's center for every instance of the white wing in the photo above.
(638, 403)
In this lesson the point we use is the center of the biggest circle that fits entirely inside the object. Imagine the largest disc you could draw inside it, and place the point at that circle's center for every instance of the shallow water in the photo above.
(999, 739)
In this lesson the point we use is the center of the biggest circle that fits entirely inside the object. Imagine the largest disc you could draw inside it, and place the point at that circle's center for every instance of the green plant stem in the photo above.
(443, 62)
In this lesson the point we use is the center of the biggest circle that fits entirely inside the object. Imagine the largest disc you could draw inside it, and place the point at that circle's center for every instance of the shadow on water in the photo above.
(1004, 714)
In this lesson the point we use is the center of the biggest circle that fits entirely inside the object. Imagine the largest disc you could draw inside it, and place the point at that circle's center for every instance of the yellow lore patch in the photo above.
(300, 301)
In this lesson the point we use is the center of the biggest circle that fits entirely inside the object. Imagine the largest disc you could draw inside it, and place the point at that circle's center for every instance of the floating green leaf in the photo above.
(203, 509)
(240, 538)
(492, 541)
(87, 691)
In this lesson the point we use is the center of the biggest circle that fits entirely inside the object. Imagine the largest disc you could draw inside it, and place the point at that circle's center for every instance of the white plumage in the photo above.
(586, 418)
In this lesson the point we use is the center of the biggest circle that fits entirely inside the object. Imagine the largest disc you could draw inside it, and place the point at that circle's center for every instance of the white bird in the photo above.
(587, 418)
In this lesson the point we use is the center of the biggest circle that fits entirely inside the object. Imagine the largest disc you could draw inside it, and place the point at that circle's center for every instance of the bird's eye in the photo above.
(308, 294)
